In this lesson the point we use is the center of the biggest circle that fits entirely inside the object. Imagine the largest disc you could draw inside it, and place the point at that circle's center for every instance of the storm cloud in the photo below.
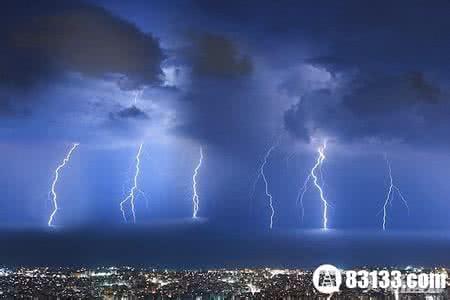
(217, 55)
(42, 41)
(407, 108)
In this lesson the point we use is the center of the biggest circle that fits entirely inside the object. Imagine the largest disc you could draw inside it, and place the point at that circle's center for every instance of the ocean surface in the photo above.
(199, 245)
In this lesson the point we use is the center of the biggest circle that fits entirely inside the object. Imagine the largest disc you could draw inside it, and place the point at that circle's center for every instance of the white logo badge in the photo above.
(327, 279)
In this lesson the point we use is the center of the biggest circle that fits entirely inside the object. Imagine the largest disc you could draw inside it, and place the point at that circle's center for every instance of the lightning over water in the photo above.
(195, 197)
(390, 194)
(55, 181)
(301, 194)
(318, 165)
(316, 175)
(134, 189)
(266, 184)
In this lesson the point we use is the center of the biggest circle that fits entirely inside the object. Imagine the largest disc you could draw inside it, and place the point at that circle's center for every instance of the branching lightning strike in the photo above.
(132, 195)
(315, 178)
(318, 164)
(266, 184)
(55, 181)
(390, 194)
(195, 197)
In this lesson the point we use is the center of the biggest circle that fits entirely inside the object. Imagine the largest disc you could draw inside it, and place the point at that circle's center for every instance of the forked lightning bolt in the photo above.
(132, 195)
(315, 177)
(55, 181)
(195, 197)
(266, 184)
(392, 188)
(318, 164)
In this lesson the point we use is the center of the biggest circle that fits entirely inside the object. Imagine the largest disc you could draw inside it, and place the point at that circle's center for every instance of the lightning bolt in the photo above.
(389, 196)
(132, 195)
(195, 197)
(319, 162)
(260, 174)
(301, 194)
(315, 178)
(255, 183)
(55, 181)
(266, 183)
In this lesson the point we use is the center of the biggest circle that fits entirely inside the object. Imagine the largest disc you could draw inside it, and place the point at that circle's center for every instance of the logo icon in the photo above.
(327, 279)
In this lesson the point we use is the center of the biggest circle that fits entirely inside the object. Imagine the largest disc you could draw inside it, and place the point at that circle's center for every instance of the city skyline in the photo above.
(129, 282)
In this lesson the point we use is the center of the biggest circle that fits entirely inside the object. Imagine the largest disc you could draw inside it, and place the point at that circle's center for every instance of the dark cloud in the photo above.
(129, 113)
(373, 47)
(361, 85)
(406, 108)
(376, 37)
(42, 40)
(341, 34)
(371, 94)
(216, 55)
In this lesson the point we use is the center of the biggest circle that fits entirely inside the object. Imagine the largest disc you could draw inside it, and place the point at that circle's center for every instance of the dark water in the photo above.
(182, 245)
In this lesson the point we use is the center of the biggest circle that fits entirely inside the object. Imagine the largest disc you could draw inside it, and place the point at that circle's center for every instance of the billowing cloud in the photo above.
(407, 108)
(43, 40)
(217, 55)
(59, 57)
(381, 94)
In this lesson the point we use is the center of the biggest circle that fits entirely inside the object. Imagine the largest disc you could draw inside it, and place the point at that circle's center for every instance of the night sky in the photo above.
(235, 78)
